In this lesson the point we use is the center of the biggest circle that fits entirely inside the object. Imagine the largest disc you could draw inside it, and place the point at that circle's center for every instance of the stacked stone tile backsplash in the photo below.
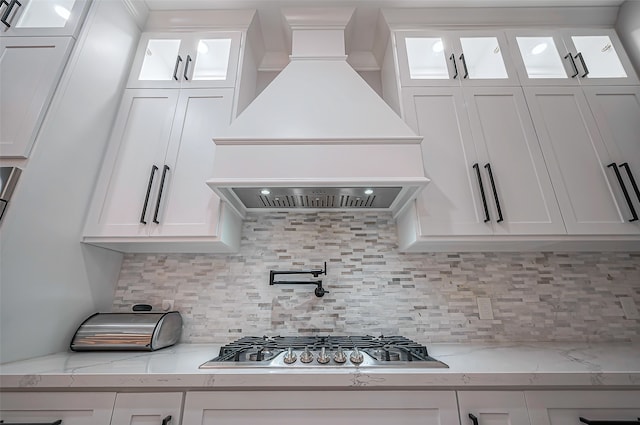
(374, 289)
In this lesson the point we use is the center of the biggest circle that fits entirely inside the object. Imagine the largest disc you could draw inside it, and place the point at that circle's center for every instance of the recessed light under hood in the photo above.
(318, 136)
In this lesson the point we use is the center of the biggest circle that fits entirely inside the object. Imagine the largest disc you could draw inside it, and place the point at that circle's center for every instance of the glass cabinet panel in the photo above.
(541, 57)
(600, 56)
(212, 60)
(426, 58)
(483, 58)
(45, 14)
(160, 60)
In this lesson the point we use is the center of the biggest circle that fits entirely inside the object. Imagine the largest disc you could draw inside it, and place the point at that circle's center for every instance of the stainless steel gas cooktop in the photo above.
(324, 351)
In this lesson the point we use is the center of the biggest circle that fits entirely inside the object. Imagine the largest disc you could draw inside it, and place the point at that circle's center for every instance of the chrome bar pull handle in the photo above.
(634, 216)
(573, 65)
(484, 198)
(146, 198)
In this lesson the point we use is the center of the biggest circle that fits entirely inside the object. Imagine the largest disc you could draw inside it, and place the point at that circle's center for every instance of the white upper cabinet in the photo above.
(186, 60)
(453, 58)
(586, 57)
(42, 17)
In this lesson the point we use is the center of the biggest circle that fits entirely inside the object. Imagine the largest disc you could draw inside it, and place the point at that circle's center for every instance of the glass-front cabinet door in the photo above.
(41, 17)
(186, 60)
(585, 57)
(454, 58)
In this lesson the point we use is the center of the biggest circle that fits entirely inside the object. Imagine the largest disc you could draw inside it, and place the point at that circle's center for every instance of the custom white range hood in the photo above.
(318, 136)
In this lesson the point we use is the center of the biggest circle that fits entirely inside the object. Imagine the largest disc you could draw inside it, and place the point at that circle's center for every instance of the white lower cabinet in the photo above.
(48, 407)
(567, 407)
(147, 409)
(493, 408)
(321, 407)
(30, 68)
(152, 195)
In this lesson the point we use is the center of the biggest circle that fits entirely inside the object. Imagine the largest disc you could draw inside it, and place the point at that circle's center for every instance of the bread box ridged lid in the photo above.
(147, 331)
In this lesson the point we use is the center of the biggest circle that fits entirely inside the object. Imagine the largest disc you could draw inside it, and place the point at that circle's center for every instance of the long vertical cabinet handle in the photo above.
(584, 64)
(166, 420)
(495, 192)
(464, 65)
(452, 58)
(573, 65)
(5, 23)
(164, 175)
(186, 68)
(175, 69)
(484, 199)
(8, 12)
(146, 198)
(633, 181)
(634, 216)
(474, 419)
(605, 422)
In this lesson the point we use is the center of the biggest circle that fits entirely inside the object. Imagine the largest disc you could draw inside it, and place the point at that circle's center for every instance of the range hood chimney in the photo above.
(318, 136)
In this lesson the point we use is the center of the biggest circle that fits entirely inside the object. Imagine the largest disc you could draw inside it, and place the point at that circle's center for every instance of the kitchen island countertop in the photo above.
(526, 365)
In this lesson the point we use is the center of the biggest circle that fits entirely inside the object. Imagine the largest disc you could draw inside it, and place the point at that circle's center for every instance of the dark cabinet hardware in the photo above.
(319, 291)
(633, 181)
(495, 192)
(164, 175)
(146, 199)
(58, 422)
(584, 64)
(7, 12)
(605, 422)
(5, 2)
(634, 216)
(166, 420)
(186, 68)
(484, 198)
(573, 65)
(464, 65)
(474, 419)
(175, 69)
(452, 58)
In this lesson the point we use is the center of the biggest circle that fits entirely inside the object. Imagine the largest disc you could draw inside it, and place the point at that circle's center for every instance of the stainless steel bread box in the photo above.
(128, 331)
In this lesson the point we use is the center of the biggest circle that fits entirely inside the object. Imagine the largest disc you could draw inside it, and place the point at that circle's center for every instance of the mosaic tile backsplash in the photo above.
(374, 289)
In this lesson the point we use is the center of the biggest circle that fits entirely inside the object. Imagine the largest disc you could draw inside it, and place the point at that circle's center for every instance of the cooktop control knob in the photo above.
(323, 357)
(356, 356)
(339, 356)
(290, 356)
(306, 356)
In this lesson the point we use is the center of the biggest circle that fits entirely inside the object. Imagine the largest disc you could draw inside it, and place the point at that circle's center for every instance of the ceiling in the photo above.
(363, 25)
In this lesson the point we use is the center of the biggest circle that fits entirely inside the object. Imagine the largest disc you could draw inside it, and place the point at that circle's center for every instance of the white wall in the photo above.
(49, 281)
(628, 28)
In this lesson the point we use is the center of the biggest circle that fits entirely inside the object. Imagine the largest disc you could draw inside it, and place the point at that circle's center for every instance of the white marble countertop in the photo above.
(471, 366)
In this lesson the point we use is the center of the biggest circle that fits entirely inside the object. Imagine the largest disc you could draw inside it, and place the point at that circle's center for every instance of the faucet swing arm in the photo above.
(319, 291)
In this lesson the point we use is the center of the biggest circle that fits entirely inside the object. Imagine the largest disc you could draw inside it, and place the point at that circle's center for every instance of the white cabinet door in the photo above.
(42, 18)
(451, 204)
(493, 408)
(446, 58)
(567, 407)
(71, 408)
(321, 407)
(516, 182)
(578, 160)
(616, 110)
(30, 68)
(147, 409)
(188, 206)
(186, 60)
(126, 195)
